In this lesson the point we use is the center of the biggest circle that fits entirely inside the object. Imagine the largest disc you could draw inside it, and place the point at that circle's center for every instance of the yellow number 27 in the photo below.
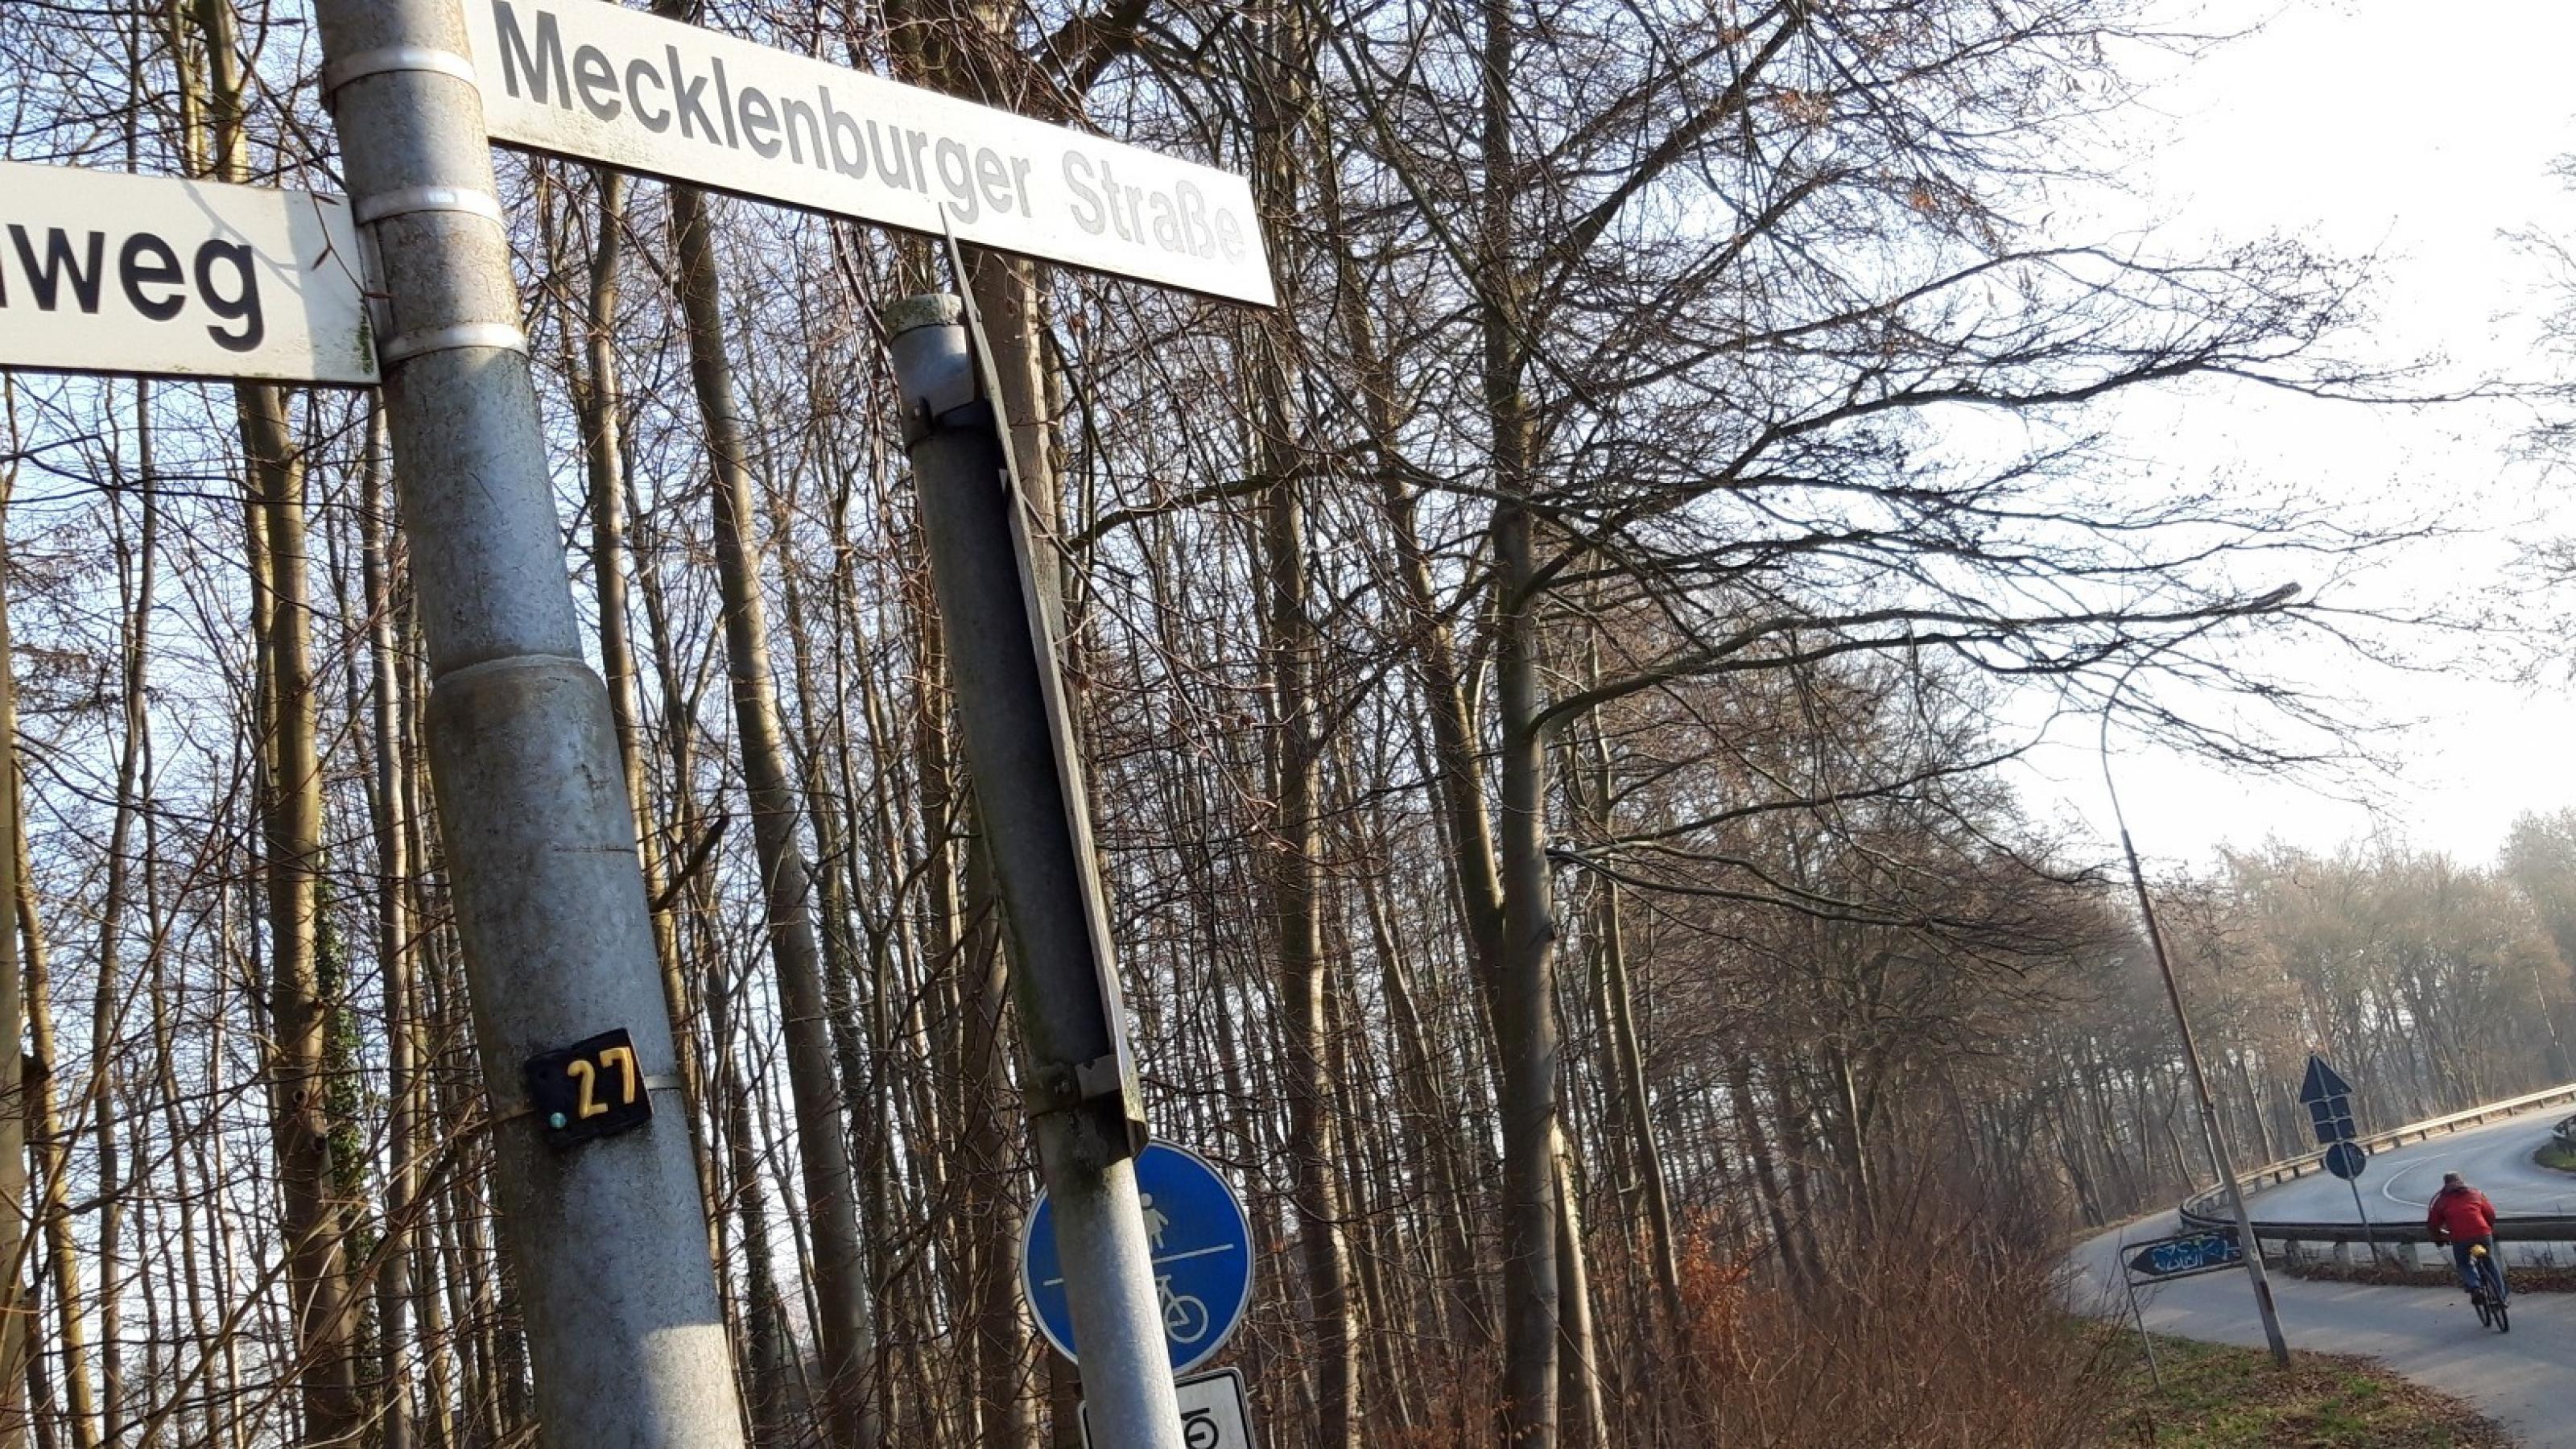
(582, 1071)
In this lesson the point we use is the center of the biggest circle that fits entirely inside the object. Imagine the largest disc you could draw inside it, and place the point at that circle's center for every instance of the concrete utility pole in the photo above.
(996, 615)
(626, 1341)
(2220, 1158)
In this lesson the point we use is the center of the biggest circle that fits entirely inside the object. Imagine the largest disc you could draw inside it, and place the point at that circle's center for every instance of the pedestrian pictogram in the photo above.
(1201, 1241)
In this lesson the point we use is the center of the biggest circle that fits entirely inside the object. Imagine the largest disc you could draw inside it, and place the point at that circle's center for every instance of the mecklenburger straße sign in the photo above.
(105, 272)
(596, 81)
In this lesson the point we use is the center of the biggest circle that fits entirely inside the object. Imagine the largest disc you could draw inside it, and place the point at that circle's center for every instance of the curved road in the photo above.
(2521, 1378)
(2496, 1159)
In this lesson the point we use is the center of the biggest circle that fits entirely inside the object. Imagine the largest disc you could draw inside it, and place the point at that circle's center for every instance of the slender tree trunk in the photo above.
(393, 949)
(17, 1243)
(840, 1269)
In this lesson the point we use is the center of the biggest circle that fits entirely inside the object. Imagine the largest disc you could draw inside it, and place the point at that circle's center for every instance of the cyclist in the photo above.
(2461, 1216)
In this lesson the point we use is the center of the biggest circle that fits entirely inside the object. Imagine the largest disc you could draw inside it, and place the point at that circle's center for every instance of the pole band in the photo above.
(499, 336)
(392, 58)
(412, 199)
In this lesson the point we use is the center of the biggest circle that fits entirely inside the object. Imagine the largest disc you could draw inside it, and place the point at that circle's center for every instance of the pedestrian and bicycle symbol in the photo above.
(1201, 1243)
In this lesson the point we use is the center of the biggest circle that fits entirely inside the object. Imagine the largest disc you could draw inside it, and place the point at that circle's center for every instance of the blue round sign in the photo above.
(2345, 1159)
(1201, 1241)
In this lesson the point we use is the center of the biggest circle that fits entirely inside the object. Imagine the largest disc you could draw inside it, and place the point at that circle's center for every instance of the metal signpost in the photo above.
(1201, 1240)
(1080, 1087)
(606, 1233)
(1214, 1414)
(2328, 1098)
(164, 277)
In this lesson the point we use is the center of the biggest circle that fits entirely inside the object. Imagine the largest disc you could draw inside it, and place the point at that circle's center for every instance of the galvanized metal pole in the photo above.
(2220, 1158)
(994, 612)
(2225, 1162)
(626, 1342)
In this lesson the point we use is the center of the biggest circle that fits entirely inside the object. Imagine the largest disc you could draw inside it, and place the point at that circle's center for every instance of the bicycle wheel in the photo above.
(2495, 1293)
(2486, 1315)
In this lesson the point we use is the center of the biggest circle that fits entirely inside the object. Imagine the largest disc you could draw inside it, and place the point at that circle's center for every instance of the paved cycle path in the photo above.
(2526, 1379)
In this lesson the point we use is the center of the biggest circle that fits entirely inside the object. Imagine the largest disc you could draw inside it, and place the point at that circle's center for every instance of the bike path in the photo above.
(2525, 1379)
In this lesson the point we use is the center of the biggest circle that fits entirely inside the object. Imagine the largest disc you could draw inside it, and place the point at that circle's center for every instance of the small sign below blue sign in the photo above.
(1201, 1241)
(2346, 1159)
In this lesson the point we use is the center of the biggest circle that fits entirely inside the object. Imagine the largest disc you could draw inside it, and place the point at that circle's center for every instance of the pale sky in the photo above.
(2423, 135)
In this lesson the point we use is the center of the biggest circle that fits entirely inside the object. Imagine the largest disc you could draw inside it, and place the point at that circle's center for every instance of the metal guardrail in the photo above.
(2207, 1208)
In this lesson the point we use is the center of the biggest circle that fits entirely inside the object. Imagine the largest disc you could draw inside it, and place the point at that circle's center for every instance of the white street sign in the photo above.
(1213, 1415)
(597, 81)
(105, 272)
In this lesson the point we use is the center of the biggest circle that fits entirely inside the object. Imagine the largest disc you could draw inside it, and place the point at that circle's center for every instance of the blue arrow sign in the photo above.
(1201, 1241)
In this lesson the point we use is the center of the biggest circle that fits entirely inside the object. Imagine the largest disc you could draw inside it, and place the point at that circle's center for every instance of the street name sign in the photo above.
(1201, 1243)
(2184, 1256)
(1213, 1413)
(596, 81)
(165, 277)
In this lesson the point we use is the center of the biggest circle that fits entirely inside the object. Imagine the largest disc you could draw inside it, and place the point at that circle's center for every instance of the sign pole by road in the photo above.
(2328, 1098)
(1081, 1089)
(607, 1235)
(2220, 1158)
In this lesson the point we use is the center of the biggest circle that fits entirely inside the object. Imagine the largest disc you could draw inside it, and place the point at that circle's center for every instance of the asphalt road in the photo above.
(2496, 1159)
(2522, 1378)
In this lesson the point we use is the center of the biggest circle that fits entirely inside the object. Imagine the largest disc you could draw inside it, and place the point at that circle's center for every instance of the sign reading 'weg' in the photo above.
(592, 80)
(104, 272)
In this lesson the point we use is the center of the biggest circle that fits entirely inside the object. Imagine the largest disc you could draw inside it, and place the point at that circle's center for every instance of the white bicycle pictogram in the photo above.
(1185, 1319)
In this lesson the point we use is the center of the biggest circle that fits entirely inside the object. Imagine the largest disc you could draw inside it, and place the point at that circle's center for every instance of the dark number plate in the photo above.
(592, 1088)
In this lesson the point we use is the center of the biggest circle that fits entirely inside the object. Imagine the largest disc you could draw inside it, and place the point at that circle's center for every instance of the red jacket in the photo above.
(2461, 1214)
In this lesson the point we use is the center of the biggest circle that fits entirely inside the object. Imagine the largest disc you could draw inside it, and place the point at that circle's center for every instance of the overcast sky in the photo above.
(2423, 135)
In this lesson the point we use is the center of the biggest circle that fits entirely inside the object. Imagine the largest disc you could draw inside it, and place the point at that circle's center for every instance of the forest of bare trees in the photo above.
(1548, 691)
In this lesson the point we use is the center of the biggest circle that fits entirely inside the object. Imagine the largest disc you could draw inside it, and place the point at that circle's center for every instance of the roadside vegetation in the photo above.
(2232, 1398)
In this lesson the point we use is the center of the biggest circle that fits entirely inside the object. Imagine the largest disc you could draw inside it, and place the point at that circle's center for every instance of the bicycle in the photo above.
(2489, 1296)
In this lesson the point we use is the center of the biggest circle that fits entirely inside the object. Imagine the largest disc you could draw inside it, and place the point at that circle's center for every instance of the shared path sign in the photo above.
(158, 276)
(597, 81)
(1201, 1242)
(2184, 1257)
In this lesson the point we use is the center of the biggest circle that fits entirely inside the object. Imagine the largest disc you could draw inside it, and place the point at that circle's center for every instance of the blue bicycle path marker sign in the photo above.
(1201, 1241)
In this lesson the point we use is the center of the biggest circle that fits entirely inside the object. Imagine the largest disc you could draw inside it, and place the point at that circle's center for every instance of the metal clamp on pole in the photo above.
(390, 58)
(411, 200)
(499, 336)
